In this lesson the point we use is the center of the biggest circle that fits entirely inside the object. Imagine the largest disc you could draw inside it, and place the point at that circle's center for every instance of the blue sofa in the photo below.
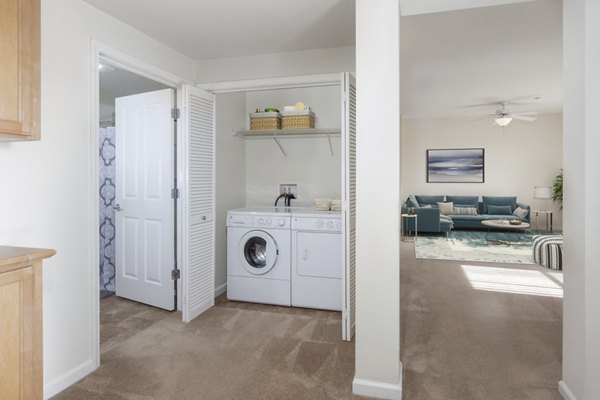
(468, 211)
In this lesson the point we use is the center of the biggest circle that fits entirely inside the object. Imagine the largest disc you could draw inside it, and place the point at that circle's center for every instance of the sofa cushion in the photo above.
(499, 201)
(429, 200)
(445, 208)
(464, 217)
(496, 216)
(465, 210)
(464, 201)
(520, 213)
(499, 210)
(412, 202)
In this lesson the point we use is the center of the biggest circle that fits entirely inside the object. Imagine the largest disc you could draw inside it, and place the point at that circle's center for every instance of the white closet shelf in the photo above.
(283, 133)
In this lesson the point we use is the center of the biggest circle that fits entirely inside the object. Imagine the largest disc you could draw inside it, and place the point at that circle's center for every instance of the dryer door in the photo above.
(258, 252)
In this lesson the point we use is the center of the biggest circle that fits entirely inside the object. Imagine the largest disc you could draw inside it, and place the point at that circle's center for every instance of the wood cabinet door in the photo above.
(20, 350)
(19, 69)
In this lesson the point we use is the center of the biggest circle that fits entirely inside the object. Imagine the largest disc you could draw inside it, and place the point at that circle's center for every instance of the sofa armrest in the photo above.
(528, 208)
(428, 220)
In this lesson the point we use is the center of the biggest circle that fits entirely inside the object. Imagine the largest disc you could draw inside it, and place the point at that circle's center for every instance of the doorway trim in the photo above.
(101, 52)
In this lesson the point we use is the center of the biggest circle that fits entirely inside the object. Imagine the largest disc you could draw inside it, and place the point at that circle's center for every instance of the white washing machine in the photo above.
(259, 255)
(317, 259)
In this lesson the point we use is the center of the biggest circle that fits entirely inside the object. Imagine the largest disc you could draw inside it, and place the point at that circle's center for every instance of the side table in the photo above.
(548, 214)
(403, 236)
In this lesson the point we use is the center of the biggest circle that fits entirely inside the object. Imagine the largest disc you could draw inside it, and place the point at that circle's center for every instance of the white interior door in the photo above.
(197, 151)
(349, 205)
(144, 214)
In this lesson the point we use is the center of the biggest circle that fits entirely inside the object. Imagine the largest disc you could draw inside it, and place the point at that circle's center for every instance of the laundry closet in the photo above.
(251, 165)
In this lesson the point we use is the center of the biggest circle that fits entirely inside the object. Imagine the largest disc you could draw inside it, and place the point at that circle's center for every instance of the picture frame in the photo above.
(456, 165)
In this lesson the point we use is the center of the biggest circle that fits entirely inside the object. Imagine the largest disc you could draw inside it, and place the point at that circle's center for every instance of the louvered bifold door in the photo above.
(198, 201)
(349, 204)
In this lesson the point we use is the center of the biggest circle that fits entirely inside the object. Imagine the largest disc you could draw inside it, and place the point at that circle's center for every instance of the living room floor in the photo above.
(474, 330)
(469, 331)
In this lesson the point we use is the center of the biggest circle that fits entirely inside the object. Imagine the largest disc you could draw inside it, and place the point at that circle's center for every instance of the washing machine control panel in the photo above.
(258, 221)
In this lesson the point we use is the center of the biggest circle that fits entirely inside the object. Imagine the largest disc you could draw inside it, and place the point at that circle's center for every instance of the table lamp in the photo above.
(542, 192)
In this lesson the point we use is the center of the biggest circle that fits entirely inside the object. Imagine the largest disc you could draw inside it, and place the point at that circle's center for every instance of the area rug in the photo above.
(473, 246)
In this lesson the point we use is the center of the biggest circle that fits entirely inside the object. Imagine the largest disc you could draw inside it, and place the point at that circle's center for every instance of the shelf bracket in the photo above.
(276, 139)
(330, 145)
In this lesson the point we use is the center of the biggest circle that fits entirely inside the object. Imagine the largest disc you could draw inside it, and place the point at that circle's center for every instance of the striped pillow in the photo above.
(465, 211)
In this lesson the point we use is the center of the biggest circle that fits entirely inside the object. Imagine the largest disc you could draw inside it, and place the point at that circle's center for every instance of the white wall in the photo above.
(230, 177)
(309, 162)
(524, 155)
(581, 319)
(47, 185)
(378, 366)
(338, 59)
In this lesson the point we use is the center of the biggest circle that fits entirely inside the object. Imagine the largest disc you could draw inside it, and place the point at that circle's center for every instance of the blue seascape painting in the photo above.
(456, 166)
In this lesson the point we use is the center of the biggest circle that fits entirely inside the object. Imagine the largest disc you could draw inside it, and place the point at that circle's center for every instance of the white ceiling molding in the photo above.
(415, 7)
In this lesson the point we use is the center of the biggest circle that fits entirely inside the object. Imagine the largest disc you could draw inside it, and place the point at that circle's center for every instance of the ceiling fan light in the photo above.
(503, 121)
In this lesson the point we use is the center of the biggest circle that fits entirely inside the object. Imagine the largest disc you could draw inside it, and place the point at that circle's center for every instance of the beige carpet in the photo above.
(470, 331)
(479, 330)
(233, 351)
(121, 319)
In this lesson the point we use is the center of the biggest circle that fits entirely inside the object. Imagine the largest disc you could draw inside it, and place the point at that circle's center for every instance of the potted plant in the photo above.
(557, 188)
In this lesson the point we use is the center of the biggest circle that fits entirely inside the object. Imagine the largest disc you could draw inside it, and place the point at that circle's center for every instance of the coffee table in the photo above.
(505, 225)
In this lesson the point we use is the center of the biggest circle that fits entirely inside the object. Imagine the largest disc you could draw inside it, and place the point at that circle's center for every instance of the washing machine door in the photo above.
(258, 252)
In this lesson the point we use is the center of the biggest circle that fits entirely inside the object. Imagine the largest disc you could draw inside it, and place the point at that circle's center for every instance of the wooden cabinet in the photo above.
(19, 70)
(21, 322)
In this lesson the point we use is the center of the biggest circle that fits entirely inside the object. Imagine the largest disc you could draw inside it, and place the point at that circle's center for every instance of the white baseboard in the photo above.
(380, 390)
(565, 392)
(219, 290)
(69, 378)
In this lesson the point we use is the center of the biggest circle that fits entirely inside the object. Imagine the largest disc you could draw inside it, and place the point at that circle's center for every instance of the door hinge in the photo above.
(175, 193)
(175, 274)
(175, 113)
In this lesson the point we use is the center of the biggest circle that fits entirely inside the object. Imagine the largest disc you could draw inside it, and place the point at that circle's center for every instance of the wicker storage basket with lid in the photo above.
(265, 121)
(302, 119)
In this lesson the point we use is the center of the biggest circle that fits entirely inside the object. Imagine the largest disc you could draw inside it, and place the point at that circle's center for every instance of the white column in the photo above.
(378, 366)
(581, 125)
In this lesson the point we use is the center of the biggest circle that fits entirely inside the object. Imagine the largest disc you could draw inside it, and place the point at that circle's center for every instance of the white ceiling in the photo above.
(205, 29)
(501, 50)
(459, 58)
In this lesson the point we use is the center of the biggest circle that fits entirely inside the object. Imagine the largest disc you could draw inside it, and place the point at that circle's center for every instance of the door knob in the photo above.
(117, 207)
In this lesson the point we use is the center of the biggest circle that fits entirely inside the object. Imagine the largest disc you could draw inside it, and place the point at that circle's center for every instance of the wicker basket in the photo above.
(265, 121)
(298, 119)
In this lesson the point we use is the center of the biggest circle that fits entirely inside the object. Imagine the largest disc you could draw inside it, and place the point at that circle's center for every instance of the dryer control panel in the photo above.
(317, 224)
(258, 221)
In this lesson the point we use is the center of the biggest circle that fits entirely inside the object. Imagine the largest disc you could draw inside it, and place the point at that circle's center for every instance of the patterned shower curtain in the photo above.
(107, 212)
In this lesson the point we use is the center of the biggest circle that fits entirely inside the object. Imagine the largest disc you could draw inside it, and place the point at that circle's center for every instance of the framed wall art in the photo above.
(456, 165)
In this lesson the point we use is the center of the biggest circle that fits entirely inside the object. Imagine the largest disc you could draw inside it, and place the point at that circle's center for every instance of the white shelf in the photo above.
(283, 133)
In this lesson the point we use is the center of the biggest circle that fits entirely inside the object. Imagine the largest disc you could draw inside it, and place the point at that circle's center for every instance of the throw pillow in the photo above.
(499, 210)
(465, 211)
(520, 213)
(427, 206)
(412, 202)
(445, 208)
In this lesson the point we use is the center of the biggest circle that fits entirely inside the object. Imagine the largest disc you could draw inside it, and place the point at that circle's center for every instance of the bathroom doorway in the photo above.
(131, 106)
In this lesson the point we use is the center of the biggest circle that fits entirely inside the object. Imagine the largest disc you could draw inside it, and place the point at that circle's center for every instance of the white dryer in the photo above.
(317, 259)
(259, 255)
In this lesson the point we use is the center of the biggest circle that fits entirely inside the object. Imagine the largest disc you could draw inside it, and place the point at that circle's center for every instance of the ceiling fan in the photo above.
(503, 116)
